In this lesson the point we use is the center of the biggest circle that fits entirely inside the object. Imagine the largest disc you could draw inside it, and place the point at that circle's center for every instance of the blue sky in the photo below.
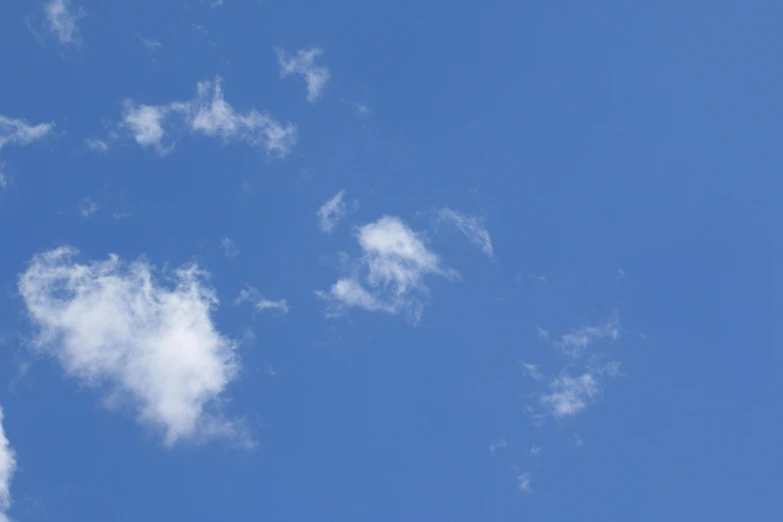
(390, 261)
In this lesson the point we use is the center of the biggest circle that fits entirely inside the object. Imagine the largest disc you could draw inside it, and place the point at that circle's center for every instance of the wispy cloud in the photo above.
(620, 273)
(96, 145)
(250, 294)
(19, 132)
(533, 370)
(210, 115)
(472, 227)
(229, 247)
(389, 275)
(88, 207)
(303, 64)
(331, 212)
(536, 451)
(495, 445)
(576, 342)
(525, 482)
(569, 395)
(541, 279)
(149, 43)
(151, 344)
(7, 469)
(62, 18)
(280, 305)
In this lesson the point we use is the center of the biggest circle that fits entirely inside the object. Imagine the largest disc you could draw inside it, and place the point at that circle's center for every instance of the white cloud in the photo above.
(303, 63)
(150, 343)
(472, 227)
(96, 145)
(524, 482)
(541, 279)
(7, 469)
(19, 132)
(149, 43)
(389, 276)
(250, 294)
(501, 443)
(568, 395)
(88, 207)
(331, 212)
(209, 114)
(146, 124)
(578, 441)
(542, 334)
(576, 342)
(229, 247)
(620, 273)
(266, 304)
(533, 370)
(536, 451)
(62, 19)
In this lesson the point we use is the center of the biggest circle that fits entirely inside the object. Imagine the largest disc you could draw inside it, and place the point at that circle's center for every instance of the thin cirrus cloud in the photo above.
(331, 212)
(150, 344)
(389, 276)
(472, 227)
(525, 482)
(96, 145)
(208, 114)
(576, 342)
(260, 303)
(62, 19)
(7, 469)
(303, 64)
(229, 247)
(19, 132)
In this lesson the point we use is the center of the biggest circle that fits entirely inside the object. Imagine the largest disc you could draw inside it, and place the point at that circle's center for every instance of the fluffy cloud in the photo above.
(19, 132)
(146, 124)
(472, 227)
(208, 114)
(62, 18)
(7, 469)
(303, 64)
(151, 344)
(331, 212)
(389, 275)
